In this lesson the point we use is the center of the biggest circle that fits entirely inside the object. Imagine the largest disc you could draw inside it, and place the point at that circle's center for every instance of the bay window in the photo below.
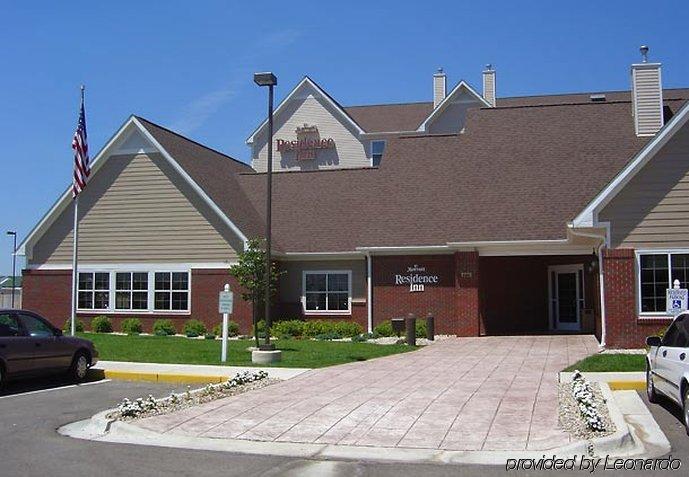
(327, 292)
(139, 290)
(657, 272)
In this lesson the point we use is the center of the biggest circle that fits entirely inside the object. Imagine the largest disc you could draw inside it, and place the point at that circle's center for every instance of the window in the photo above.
(8, 325)
(171, 291)
(327, 292)
(377, 149)
(657, 272)
(143, 290)
(131, 291)
(94, 291)
(35, 327)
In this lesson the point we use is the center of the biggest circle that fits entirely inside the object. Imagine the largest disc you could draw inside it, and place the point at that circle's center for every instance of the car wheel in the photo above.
(79, 368)
(650, 387)
(685, 408)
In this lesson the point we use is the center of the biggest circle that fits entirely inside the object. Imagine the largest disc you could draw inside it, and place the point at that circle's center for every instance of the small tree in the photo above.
(250, 272)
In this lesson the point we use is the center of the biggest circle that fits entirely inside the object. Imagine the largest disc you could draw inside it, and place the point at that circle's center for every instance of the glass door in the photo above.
(566, 297)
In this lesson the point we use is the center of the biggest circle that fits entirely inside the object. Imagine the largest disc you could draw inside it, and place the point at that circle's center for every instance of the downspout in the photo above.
(601, 282)
(369, 292)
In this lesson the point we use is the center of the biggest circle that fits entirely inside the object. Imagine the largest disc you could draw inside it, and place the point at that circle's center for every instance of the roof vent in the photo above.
(597, 98)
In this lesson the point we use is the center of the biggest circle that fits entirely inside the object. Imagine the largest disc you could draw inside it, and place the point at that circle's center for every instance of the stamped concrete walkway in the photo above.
(492, 393)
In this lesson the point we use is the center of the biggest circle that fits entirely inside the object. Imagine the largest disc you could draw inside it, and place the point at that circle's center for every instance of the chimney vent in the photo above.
(647, 96)
(439, 87)
(489, 84)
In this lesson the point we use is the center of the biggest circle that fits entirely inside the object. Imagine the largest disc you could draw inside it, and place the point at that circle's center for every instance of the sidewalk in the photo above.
(182, 373)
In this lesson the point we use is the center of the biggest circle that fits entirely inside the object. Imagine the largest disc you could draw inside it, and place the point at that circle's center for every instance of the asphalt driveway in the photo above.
(492, 393)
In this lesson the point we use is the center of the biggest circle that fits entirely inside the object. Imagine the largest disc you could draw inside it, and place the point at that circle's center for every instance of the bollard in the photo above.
(410, 323)
(430, 327)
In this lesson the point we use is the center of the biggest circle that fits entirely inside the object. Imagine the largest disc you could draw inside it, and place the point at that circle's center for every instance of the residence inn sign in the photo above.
(306, 145)
(416, 278)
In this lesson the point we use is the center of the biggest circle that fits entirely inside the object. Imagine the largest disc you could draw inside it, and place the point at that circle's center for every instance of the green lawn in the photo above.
(611, 362)
(295, 353)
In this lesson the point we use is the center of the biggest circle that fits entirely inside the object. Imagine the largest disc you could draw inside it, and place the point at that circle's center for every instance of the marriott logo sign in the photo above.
(417, 279)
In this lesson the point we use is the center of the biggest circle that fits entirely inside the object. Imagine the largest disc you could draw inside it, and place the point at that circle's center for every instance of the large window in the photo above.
(94, 291)
(171, 291)
(131, 290)
(377, 149)
(144, 291)
(657, 272)
(327, 292)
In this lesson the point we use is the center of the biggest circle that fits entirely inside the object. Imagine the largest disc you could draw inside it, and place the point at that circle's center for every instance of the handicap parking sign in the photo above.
(676, 300)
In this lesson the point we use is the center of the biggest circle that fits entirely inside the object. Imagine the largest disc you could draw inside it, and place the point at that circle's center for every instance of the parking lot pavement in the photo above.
(669, 417)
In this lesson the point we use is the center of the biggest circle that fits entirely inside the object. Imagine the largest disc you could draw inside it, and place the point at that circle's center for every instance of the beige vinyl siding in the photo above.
(290, 286)
(652, 211)
(136, 208)
(349, 150)
(489, 86)
(648, 108)
(453, 117)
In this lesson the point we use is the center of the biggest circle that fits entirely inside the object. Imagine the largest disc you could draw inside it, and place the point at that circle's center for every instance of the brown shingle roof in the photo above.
(520, 171)
(390, 117)
(214, 172)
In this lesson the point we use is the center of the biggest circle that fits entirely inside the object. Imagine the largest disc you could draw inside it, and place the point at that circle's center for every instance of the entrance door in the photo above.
(566, 290)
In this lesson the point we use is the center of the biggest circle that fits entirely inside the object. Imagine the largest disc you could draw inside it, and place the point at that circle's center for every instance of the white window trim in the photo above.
(114, 290)
(151, 299)
(385, 144)
(113, 269)
(93, 291)
(348, 311)
(650, 315)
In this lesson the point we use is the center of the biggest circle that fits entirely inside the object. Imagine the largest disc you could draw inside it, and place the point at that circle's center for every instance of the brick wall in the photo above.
(624, 328)
(48, 292)
(390, 300)
(467, 297)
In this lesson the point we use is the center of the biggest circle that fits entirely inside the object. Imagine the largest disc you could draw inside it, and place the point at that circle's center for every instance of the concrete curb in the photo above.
(100, 428)
(634, 380)
(181, 373)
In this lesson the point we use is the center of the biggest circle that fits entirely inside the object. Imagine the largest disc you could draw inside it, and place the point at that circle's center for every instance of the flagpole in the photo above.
(75, 251)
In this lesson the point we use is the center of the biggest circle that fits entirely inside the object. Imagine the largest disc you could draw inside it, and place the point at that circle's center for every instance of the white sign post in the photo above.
(676, 299)
(225, 302)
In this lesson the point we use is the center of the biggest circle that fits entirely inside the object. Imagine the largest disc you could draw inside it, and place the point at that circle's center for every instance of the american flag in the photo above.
(82, 169)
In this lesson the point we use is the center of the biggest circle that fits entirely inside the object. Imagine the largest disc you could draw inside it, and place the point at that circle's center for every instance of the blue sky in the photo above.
(188, 66)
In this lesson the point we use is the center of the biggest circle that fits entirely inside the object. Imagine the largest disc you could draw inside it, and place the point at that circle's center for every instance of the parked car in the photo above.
(31, 346)
(667, 365)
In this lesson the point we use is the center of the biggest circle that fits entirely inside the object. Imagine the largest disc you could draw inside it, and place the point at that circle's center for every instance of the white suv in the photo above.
(667, 365)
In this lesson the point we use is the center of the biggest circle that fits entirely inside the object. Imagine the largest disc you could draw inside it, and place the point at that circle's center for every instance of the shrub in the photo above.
(360, 338)
(347, 329)
(232, 329)
(331, 335)
(164, 328)
(316, 327)
(288, 329)
(194, 327)
(384, 329)
(79, 326)
(421, 328)
(132, 326)
(209, 336)
(261, 327)
(101, 324)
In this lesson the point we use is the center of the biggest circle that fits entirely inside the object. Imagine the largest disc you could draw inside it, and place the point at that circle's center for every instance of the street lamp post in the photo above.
(14, 262)
(268, 79)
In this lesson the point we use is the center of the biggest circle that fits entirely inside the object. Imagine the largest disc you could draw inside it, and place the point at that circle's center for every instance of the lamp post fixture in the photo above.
(270, 80)
(14, 262)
